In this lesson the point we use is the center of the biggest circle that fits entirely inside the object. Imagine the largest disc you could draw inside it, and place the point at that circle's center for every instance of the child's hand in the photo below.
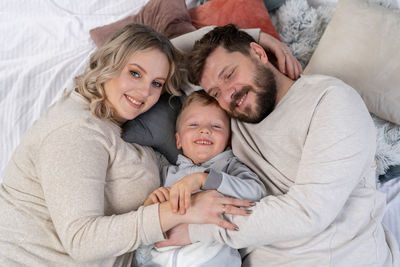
(159, 195)
(181, 191)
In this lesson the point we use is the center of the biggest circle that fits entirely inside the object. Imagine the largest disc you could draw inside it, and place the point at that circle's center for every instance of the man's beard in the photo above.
(265, 97)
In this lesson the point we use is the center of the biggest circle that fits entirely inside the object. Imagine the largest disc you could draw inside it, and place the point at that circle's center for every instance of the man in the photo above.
(312, 143)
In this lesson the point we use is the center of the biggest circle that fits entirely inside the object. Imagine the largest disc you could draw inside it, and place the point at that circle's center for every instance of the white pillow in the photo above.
(361, 46)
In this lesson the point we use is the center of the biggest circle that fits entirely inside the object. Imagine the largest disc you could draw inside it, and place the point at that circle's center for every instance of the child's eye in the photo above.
(135, 74)
(216, 126)
(193, 124)
(157, 84)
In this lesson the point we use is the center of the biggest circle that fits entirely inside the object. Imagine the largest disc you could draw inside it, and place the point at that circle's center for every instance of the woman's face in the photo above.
(139, 84)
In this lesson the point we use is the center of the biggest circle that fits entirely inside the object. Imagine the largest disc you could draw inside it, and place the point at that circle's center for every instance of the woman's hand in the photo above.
(287, 63)
(159, 195)
(207, 208)
(181, 191)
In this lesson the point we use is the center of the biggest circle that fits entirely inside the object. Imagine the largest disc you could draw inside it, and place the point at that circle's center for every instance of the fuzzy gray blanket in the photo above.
(301, 26)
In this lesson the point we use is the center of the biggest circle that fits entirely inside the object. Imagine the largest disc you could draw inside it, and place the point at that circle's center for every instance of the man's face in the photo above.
(243, 86)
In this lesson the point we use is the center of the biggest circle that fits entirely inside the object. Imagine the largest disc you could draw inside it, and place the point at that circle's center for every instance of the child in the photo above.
(203, 133)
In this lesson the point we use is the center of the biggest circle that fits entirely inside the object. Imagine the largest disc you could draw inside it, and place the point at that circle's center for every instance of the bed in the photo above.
(46, 43)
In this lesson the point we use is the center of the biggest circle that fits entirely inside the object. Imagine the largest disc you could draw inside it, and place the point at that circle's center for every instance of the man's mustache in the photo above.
(237, 96)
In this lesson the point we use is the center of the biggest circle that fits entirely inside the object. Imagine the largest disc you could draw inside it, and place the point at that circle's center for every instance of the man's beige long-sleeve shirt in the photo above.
(315, 155)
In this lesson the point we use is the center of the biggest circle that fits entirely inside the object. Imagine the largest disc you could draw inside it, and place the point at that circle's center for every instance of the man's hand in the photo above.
(181, 191)
(159, 195)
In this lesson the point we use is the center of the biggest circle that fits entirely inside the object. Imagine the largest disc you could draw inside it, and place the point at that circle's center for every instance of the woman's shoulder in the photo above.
(71, 118)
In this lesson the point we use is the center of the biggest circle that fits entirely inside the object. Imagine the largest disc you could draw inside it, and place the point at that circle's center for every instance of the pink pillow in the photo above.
(243, 13)
(169, 17)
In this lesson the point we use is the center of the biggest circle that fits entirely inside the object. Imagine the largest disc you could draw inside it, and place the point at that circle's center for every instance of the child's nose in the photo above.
(205, 130)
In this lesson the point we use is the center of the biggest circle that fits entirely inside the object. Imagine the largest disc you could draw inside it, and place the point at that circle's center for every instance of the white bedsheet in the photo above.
(45, 43)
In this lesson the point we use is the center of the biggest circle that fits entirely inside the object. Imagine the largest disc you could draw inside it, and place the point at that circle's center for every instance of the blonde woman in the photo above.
(73, 191)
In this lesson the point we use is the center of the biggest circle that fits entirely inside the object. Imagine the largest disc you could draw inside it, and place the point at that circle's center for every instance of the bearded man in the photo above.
(312, 143)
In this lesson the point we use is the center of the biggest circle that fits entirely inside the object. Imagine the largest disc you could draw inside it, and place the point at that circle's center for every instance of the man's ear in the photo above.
(178, 141)
(258, 52)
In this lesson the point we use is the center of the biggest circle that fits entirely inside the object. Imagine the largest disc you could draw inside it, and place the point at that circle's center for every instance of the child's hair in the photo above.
(198, 96)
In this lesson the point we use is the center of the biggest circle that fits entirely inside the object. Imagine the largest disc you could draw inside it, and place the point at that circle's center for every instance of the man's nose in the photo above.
(228, 94)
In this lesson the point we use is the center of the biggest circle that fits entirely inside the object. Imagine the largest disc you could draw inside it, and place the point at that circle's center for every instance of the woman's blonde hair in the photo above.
(108, 61)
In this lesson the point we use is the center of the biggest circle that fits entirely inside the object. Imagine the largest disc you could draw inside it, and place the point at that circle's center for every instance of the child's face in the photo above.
(203, 132)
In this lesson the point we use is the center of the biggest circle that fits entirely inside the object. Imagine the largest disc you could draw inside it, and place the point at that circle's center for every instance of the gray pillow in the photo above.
(156, 127)
(273, 5)
(391, 173)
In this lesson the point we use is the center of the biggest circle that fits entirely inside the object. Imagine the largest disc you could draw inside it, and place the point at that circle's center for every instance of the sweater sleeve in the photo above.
(238, 181)
(73, 164)
(337, 154)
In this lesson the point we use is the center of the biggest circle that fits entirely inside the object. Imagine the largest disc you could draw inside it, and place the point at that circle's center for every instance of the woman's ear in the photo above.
(178, 141)
(258, 52)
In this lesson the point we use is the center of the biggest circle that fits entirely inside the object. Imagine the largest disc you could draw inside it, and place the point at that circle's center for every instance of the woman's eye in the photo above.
(216, 94)
(135, 74)
(157, 84)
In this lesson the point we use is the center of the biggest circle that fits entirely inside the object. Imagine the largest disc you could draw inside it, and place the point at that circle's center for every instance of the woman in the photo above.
(73, 190)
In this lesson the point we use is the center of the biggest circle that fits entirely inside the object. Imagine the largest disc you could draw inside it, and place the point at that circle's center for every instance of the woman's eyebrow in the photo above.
(145, 72)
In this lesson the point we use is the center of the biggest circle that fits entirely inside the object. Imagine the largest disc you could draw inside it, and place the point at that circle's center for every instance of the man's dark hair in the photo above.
(228, 36)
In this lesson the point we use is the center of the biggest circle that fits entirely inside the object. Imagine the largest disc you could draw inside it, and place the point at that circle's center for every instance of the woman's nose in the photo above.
(145, 90)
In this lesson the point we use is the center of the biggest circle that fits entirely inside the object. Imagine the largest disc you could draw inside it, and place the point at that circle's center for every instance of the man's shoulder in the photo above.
(314, 88)
(321, 83)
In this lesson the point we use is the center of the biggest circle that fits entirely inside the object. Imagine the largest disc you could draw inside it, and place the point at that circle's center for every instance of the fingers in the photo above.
(229, 209)
(187, 199)
(174, 198)
(182, 202)
(236, 202)
(280, 56)
(159, 195)
(287, 63)
(180, 199)
(226, 224)
(162, 194)
(299, 67)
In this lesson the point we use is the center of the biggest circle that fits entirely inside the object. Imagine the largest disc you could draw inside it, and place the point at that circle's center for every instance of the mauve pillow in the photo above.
(243, 13)
(169, 17)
